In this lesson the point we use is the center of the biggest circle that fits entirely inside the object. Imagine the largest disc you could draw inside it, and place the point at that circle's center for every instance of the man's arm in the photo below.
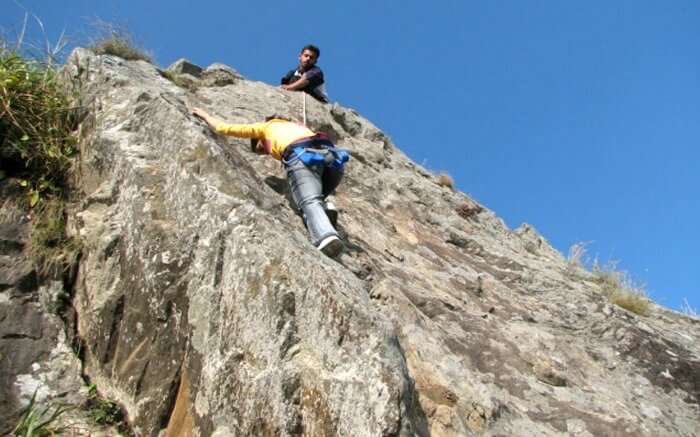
(295, 86)
(254, 130)
(287, 77)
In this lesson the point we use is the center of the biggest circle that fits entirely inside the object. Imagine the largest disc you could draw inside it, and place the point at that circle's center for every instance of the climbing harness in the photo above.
(316, 150)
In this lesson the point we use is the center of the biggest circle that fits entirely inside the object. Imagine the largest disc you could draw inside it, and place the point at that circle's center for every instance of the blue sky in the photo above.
(580, 118)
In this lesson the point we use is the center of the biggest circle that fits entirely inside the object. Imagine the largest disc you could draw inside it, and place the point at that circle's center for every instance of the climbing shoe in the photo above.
(331, 246)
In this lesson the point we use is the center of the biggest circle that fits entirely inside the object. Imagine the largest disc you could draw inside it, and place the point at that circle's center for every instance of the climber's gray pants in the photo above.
(309, 186)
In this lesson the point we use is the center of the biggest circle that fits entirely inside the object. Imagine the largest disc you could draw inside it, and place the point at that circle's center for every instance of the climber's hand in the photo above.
(198, 112)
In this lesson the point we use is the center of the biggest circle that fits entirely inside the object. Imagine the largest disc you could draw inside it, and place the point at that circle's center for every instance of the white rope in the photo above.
(303, 99)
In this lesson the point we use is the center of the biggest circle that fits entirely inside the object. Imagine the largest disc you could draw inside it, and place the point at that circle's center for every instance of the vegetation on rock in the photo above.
(37, 143)
(49, 245)
(117, 42)
(103, 411)
(35, 423)
(621, 291)
(445, 180)
(615, 284)
(36, 123)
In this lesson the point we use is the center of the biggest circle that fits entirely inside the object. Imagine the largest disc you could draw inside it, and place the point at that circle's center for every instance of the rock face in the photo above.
(36, 358)
(204, 310)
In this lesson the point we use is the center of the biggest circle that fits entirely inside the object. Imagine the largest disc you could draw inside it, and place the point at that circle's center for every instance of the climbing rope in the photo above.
(303, 105)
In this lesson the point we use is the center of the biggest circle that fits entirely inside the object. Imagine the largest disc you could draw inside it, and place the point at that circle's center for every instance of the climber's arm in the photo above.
(254, 130)
(204, 115)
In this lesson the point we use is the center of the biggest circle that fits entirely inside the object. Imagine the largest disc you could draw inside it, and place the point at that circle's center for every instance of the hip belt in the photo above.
(318, 150)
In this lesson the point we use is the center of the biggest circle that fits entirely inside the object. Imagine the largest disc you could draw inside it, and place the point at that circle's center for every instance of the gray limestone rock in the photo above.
(36, 358)
(183, 66)
(220, 75)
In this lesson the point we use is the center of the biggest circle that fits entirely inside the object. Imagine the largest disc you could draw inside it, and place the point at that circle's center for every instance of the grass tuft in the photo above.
(689, 310)
(35, 423)
(631, 300)
(49, 246)
(621, 290)
(37, 144)
(37, 120)
(103, 411)
(577, 252)
(445, 180)
(114, 40)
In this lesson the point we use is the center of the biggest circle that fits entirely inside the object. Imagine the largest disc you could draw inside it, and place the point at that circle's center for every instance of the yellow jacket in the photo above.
(276, 134)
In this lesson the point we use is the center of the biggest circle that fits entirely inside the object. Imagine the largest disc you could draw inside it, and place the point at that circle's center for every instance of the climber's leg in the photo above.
(307, 193)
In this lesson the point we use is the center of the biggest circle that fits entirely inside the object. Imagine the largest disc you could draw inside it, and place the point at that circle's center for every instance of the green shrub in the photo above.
(103, 411)
(36, 124)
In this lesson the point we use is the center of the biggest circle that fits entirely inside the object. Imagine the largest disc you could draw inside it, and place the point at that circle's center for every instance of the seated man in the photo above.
(307, 77)
(314, 168)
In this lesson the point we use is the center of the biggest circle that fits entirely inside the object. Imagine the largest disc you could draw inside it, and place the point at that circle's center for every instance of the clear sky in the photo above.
(580, 118)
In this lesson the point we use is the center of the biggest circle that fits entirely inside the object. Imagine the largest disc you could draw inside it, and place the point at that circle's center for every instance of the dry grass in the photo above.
(49, 246)
(445, 180)
(116, 41)
(10, 211)
(577, 252)
(621, 290)
(631, 300)
(689, 311)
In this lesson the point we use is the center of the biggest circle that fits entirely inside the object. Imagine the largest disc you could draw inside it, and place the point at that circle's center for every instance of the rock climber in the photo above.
(307, 77)
(313, 164)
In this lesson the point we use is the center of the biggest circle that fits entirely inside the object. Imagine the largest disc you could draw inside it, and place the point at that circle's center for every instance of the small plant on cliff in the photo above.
(49, 246)
(114, 40)
(577, 253)
(36, 124)
(689, 310)
(103, 411)
(34, 423)
(445, 180)
(620, 289)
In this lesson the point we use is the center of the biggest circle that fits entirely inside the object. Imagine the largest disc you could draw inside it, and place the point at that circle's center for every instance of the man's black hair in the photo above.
(312, 48)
